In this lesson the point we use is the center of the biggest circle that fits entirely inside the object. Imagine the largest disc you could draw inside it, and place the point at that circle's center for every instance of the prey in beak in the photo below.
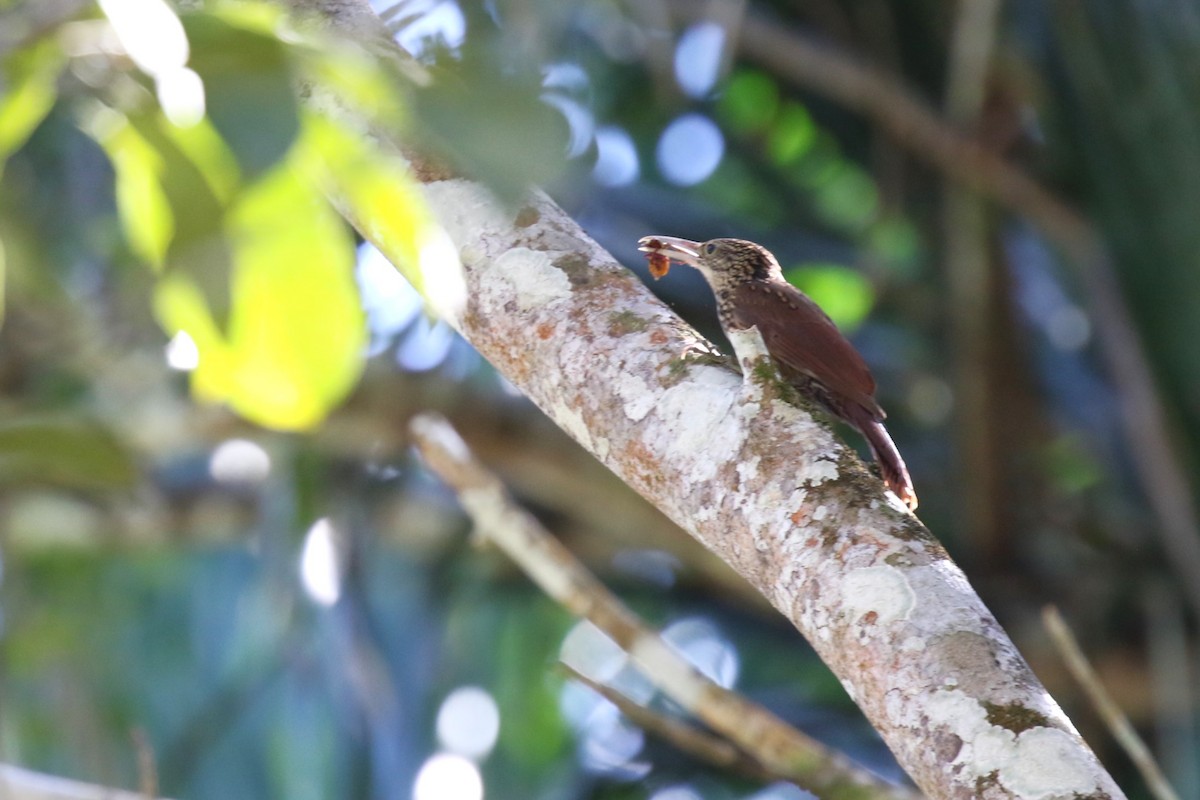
(662, 250)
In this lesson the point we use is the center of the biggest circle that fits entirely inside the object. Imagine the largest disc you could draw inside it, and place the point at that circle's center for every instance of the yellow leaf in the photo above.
(296, 335)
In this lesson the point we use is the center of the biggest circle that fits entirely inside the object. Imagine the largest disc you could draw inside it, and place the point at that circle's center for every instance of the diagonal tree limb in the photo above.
(759, 482)
(779, 748)
(916, 126)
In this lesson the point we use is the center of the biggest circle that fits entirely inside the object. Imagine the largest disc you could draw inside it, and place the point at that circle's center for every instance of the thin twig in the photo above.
(781, 749)
(146, 766)
(1118, 724)
(687, 738)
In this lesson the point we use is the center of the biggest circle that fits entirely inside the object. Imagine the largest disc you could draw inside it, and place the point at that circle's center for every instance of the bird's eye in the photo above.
(710, 248)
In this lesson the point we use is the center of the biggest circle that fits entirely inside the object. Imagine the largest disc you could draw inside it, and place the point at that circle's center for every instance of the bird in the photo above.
(810, 352)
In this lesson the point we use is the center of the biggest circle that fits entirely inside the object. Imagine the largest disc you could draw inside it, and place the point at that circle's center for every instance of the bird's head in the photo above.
(721, 261)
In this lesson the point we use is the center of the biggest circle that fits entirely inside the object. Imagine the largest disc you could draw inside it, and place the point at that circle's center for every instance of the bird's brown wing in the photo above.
(803, 339)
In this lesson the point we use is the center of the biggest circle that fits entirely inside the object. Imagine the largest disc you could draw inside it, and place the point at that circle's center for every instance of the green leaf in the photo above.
(1071, 467)
(844, 294)
(173, 187)
(494, 125)
(849, 198)
(792, 136)
(296, 335)
(749, 102)
(66, 451)
(248, 86)
(27, 93)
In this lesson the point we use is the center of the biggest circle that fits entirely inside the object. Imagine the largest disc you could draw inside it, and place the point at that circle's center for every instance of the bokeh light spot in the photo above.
(676, 793)
(698, 58)
(445, 776)
(239, 461)
(930, 400)
(182, 353)
(468, 722)
(699, 641)
(320, 567)
(181, 95)
(616, 159)
(690, 149)
(431, 24)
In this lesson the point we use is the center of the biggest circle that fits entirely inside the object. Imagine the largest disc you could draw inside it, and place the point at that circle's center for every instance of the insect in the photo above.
(659, 262)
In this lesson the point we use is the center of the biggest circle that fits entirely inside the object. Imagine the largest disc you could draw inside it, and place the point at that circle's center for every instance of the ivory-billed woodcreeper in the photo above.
(810, 352)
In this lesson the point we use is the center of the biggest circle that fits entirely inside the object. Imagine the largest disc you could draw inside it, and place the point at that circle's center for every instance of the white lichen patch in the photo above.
(748, 470)
(1035, 764)
(532, 277)
(467, 210)
(945, 603)
(881, 591)
(820, 512)
(1048, 763)
(695, 418)
(637, 396)
(817, 470)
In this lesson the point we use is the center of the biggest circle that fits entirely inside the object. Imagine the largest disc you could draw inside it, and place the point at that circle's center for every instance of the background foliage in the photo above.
(212, 531)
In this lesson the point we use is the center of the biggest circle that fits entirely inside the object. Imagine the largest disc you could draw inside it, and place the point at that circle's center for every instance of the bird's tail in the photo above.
(891, 465)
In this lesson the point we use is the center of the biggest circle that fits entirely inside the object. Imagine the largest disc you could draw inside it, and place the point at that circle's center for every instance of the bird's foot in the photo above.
(706, 354)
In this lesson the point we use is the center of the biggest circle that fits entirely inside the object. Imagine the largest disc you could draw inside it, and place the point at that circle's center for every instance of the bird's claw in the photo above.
(706, 354)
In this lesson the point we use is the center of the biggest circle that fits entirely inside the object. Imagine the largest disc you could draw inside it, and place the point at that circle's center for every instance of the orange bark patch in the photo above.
(545, 331)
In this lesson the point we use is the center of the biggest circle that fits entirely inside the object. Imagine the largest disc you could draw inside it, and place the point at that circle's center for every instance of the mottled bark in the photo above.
(765, 486)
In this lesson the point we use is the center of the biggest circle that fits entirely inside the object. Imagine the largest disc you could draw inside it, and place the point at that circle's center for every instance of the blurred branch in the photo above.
(900, 112)
(146, 766)
(759, 482)
(768, 740)
(1118, 724)
(967, 234)
(23, 784)
(27, 22)
(686, 738)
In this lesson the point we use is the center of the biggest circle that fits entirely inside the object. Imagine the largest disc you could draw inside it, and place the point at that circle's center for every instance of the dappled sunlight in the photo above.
(690, 149)
(677, 792)
(239, 462)
(468, 722)
(698, 58)
(448, 777)
(181, 352)
(154, 38)
(429, 24)
(442, 274)
(616, 157)
(390, 301)
(320, 564)
(699, 641)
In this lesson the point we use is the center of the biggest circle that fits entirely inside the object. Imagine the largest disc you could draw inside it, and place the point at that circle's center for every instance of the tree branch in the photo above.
(759, 482)
(23, 784)
(779, 748)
